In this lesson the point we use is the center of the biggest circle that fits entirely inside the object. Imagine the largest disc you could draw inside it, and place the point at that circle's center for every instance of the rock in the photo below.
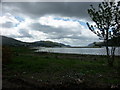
(79, 81)
(114, 86)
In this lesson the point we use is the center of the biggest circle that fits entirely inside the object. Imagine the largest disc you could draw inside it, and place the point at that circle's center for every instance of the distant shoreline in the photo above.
(84, 47)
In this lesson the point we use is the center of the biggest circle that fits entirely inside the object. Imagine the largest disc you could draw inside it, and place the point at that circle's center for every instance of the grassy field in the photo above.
(27, 69)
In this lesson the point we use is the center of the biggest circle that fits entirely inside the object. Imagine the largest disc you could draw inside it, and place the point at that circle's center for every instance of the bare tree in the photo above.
(107, 20)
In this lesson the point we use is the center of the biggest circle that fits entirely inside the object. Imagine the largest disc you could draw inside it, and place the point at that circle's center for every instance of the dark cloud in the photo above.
(38, 9)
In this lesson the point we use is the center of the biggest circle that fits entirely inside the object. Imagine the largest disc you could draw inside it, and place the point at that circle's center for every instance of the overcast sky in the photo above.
(63, 22)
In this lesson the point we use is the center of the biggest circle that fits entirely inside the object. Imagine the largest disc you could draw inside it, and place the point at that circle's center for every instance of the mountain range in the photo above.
(13, 42)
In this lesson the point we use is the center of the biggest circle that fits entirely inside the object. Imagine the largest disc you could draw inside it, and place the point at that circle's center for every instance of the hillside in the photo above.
(48, 44)
(13, 42)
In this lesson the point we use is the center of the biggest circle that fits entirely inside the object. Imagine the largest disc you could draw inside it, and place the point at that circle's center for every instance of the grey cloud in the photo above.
(38, 9)
(7, 25)
(76, 36)
(38, 26)
(50, 29)
(61, 33)
(24, 33)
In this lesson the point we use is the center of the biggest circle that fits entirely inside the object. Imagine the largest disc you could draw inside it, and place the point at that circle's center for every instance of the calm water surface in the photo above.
(91, 51)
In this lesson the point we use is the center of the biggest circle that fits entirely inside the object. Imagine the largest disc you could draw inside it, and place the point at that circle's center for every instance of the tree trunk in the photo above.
(107, 48)
(108, 55)
(110, 52)
(112, 58)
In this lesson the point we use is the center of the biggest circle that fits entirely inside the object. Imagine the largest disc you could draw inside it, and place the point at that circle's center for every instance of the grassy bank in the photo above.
(49, 70)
